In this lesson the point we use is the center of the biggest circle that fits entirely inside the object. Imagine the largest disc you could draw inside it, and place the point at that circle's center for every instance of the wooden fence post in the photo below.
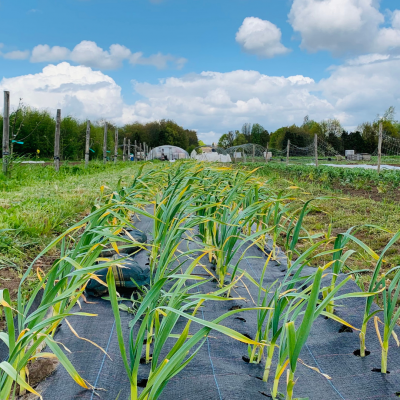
(380, 146)
(129, 149)
(287, 152)
(57, 142)
(124, 150)
(135, 150)
(116, 146)
(316, 149)
(254, 151)
(87, 145)
(266, 154)
(6, 131)
(105, 143)
(140, 151)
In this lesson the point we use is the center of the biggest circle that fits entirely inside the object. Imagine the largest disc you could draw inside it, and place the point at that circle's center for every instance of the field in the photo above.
(54, 227)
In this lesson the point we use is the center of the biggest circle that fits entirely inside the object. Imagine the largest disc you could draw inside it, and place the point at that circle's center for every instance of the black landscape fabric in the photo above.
(219, 372)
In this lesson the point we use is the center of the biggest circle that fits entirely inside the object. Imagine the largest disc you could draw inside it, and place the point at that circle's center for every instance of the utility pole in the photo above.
(57, 142)
(116, 146)
(287, 152)
(380, 146)
(87, 146)
(6, 131)
(316, 149)
(105, 143)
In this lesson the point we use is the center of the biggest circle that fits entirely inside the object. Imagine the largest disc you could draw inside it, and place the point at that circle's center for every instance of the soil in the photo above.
(372, 193)
(39, 370)
(10, 279)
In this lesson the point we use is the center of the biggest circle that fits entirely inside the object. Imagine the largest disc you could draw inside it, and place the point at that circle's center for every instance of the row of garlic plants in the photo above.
(221, 213)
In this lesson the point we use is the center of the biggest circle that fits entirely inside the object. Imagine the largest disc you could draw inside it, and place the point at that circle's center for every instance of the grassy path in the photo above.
(36, 204)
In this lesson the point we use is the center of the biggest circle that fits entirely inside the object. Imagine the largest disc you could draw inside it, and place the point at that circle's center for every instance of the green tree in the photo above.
(226, 140)
(259, 135)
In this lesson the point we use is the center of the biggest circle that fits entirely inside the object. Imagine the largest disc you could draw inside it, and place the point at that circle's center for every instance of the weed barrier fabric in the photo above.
(219, 372)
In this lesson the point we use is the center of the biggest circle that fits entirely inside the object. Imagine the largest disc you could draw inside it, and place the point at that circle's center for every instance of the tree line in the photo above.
(32, 130)
(363, 140)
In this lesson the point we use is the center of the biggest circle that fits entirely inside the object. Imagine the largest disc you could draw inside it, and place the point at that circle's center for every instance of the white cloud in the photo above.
(214, 102)
(17, 55)
(89, 54)
(260, 37)
(359, 92)
(158, 60)
(343, 26)
(396, 19)
(45, 53)
(368, 59)
(224, 101)
(79, 91)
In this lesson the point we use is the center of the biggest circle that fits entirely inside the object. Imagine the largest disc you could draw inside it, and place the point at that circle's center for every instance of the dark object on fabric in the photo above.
(130, 269)
(133, 235)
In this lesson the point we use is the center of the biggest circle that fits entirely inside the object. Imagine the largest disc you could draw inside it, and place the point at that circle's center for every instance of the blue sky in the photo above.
(271, 62)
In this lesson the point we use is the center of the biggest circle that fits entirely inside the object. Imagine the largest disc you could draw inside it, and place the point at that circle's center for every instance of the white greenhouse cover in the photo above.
(213, 157)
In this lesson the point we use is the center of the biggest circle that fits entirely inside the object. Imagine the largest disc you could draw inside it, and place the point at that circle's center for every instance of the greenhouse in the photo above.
(166, 153)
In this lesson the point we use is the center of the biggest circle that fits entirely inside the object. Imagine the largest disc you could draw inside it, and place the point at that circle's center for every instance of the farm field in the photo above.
(37, 204)
(255, 230)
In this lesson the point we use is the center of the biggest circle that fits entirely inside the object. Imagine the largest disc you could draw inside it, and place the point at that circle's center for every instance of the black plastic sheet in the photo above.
(218, 372)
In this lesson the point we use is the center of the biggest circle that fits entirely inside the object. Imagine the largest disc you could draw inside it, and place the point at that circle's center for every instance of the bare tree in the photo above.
(246, 130)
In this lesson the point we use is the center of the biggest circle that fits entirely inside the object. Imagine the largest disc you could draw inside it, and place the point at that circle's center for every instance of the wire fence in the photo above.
(319, 152)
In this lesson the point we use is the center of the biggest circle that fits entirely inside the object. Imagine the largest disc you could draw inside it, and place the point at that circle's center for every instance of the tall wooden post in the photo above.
(135, 152)
(124, 150)
(87, 144)
(6, 131)
(244, 155)
(57, 142)
(140, 151)
(254, 151)
(316, 149)
(287, 152)
(105, 143)
(129, 149)
(266, 154)
(116, 146)
(144, 150)
(380, 146)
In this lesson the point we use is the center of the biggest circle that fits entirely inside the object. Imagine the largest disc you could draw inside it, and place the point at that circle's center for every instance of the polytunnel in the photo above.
(167, 152)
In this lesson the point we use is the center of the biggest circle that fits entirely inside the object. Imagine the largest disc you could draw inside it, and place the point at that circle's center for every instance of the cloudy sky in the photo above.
(211, 65)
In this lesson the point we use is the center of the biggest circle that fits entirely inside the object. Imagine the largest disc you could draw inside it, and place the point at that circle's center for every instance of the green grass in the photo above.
(36, 204)
(341, 211)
